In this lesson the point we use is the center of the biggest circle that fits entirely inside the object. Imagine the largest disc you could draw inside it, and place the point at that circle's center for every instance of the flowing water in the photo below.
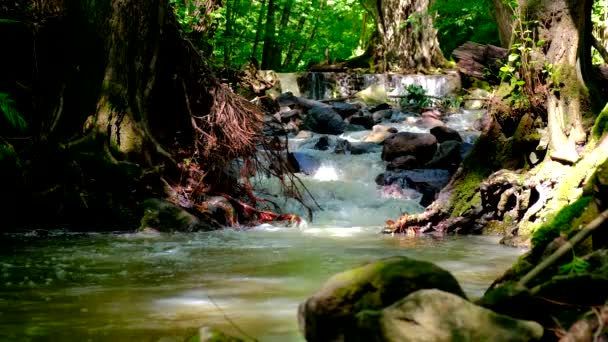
(147, 287)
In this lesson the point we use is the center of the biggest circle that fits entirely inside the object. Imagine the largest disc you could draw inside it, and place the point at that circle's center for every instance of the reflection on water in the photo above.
(133, 287)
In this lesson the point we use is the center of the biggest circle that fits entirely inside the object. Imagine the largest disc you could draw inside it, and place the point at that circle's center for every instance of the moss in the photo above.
(601, 124)
(562, 222)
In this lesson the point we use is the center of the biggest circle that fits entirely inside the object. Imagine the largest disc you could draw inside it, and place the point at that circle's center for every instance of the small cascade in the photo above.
(318, 86)
(326, 85)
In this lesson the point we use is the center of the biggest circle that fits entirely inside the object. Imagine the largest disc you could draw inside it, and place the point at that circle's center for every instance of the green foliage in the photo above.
(577, 265)
(11, 114)
(601, 124)
(415, 96)
(461, 21)
(599, 18)
(561, 223)
(304, 31)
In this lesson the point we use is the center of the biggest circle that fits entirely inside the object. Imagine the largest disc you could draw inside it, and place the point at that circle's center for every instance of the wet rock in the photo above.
(444, 133)
(287, 116)
(345, 109)
(354, 128)
(382, 115)
(429, 122)
(303, 134)
(342, 146)
(379, 180)
(322, 144)
(431, 315)
(287, 99)
(403, 163)
(420, 145)
(324, 120)
(378, 107)
(392, 130)
(331, 311)
(362, 120)
(364, 147)
(379, 134)
(428, 182)
(164, 216)
(447, 157)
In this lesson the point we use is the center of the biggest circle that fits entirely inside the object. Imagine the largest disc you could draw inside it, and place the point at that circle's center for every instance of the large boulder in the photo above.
(444, 133)
(330, 312)
(345, 109)
(304, 163)
(432, 315)
(324, 120)
(420, 145)
(447, 157)
(403, 163)
(362, 120)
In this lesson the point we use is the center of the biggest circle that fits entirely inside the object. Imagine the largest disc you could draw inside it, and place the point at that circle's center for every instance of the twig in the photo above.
(580, 236)
(230, 320)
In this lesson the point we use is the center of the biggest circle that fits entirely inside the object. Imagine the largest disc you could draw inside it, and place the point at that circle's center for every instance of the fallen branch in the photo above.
(550, 260)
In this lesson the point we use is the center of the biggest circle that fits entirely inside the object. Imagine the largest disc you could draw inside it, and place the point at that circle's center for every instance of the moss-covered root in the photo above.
(601, 124)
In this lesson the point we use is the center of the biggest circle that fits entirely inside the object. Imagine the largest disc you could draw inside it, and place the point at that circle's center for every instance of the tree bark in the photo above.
(269, 58)
(503, 15)
(565, 27)
(408, 38)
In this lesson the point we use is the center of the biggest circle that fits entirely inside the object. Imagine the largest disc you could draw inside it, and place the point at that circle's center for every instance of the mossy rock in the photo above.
(167, 217)
(434, 315)
(327, 314)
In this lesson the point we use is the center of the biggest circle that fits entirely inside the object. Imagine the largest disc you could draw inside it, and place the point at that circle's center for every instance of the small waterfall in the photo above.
(325, 85)
(318, 86)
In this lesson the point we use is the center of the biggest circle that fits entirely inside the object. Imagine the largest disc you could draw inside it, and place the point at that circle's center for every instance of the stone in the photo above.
(403, 163)
(364, 147)
(420, 145)
(163, 216)
(376, 93)
(342, 146)
(426, 122)
(220, 209)
(324, 120)
(362, 120)
(322, 144)
(432, 315)
(444, 133)
(428, 182)
(382, 115)
(447, 157)
(434, 114)
(381, 106)
(327, 314)
(345, 109)
(379, 134)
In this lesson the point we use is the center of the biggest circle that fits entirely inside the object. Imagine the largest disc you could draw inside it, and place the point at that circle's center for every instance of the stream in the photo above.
(146, 287)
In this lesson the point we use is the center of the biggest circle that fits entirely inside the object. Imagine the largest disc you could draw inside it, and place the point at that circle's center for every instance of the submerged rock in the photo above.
(432, 315)
(330, 312)
(304, 163)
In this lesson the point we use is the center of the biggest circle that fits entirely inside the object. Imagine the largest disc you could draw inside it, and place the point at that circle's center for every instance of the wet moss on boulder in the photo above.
(330, 312)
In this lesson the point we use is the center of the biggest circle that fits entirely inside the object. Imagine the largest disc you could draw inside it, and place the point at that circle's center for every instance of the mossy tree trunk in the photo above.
(408, 39)
(121, 107)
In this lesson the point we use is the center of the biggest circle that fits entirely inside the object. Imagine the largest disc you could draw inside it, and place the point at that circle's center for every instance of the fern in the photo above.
(577, 265)
(7, 106)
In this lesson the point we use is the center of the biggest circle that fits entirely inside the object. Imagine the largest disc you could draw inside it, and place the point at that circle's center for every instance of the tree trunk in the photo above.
(258, 30)
(566, 23)
(269, 58)
(503, 15)
(125, 109)
(408, 38)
